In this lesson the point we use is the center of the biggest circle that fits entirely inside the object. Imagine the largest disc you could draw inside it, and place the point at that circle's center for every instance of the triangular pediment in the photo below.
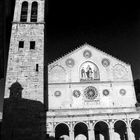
(84, 47)
(104, 66)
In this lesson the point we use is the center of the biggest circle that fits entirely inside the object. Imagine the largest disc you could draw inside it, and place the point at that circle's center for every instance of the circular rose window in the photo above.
(87, 54)
(122, 91)
(90, 93)
(105, 62)
(105, 92)
(57, 93)
(69, 62)
(76, 93)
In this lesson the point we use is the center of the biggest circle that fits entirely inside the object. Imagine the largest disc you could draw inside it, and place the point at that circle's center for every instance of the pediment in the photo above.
(76, 64)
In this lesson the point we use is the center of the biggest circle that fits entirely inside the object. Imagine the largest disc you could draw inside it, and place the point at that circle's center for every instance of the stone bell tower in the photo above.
(26, 51)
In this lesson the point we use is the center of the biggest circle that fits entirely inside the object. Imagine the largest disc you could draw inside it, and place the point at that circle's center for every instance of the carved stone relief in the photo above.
(120, 72)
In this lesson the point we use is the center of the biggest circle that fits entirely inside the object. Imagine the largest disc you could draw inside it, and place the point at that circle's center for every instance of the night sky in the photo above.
(111, 27)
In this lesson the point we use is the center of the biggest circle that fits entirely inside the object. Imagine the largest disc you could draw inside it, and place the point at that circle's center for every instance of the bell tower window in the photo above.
(24, 11)
(34, 12)
(32, 45)
(37, 67)
(21, 44)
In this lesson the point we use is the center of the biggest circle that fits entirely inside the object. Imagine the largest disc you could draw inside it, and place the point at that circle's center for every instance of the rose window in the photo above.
(90, 93)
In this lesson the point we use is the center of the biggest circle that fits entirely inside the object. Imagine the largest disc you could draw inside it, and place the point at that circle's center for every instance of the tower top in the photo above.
(29, 11)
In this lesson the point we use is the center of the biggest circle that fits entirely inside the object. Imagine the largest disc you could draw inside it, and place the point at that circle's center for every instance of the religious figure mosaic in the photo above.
(89, 71)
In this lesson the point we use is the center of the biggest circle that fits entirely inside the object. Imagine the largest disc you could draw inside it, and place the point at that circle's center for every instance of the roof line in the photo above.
(78, 48)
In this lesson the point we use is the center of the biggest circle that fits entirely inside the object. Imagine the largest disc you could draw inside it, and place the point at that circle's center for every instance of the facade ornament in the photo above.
(90, 93)
(89, 72)
(57, 93)
(122, 92)
(105, 62)
(70, 62)
(87, 54)
(76, 93)
(105, 92)
(119, 71)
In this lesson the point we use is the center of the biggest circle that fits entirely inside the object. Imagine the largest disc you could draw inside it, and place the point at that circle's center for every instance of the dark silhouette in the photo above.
(137, 91)
(23, 119)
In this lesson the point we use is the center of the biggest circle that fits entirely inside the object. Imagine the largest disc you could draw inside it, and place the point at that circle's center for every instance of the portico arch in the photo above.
(81, 129)
(120, 128)
(101, 131)
(61, 130)
(135, 125)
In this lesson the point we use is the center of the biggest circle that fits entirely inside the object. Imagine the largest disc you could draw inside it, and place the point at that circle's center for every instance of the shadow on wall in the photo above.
(23, 119)
(137, 91)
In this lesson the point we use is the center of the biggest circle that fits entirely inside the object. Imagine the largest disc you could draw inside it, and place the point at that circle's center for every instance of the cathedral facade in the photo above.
(91, 94)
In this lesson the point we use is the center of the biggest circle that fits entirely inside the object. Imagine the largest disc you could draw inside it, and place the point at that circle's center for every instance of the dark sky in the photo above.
(111, 27)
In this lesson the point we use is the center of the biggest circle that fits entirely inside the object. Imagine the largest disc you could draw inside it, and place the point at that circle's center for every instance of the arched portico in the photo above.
(121, 129)
(135, 125)
(81, 131)
(61, 130)
(101, 131)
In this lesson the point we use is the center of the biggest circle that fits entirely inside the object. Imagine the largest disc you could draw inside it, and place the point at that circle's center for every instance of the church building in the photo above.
(90, 95)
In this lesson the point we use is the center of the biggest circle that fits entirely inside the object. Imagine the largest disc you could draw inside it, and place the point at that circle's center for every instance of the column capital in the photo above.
(90, 129)
(71, 130)
(128, 127)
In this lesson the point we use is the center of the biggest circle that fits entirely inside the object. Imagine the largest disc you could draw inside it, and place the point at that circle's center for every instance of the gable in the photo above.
(89, 64)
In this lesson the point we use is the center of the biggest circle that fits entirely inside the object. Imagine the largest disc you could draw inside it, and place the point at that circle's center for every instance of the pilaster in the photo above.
(91, 133)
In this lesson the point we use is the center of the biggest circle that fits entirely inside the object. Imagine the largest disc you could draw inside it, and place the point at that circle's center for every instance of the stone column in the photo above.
(29, 12)
(71, 134)
(130, 134)
(91, 134)
(52, 134)
(111, 132)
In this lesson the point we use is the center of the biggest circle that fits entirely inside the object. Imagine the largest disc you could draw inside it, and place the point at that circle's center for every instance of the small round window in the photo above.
(70, 62)
(57, 93)
(122, 91)
(105, 92)
(87, 54)
(105, 62)
(76, 93)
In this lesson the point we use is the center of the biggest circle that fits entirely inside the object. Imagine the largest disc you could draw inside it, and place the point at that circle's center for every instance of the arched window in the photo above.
(89, 71)
(34, 12)
(24, 12)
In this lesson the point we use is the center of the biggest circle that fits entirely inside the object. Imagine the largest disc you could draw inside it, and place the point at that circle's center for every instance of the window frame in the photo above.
(24, 11)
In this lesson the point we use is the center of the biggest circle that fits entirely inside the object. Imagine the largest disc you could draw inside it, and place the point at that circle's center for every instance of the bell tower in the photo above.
(26, 51)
